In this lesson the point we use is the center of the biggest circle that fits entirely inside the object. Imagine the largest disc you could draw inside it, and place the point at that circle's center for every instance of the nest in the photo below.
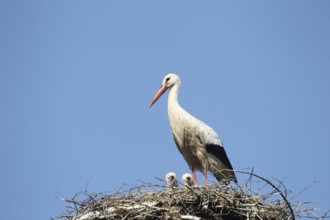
(153, 201)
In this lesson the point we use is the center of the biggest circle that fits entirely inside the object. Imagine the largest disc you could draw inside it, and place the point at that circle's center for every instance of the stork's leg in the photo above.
(205, 177)
(194, 176)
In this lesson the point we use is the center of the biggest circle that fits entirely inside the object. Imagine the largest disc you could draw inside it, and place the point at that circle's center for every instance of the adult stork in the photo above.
(199, 144)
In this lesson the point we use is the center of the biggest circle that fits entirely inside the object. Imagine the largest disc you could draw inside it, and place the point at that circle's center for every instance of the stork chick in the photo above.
(171, 180)
(187, 180)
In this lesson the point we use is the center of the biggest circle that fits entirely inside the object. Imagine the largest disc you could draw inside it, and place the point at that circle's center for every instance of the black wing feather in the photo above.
(220, 153)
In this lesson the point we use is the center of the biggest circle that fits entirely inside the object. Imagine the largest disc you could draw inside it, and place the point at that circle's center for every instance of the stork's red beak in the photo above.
(159, 93)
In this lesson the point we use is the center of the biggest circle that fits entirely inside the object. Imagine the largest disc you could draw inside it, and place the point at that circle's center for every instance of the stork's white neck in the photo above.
(175, 111)
(173, 103)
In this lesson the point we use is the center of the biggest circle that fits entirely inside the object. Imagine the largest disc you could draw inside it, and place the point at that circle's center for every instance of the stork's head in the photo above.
(169, 80)
(187, 180)
(171, 179)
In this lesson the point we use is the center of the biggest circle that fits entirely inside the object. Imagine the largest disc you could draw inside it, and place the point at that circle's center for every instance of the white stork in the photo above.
(197, 142)
(171, 180)
(187, 180)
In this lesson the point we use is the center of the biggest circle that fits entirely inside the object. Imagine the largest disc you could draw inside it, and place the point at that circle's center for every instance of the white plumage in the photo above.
(171, 180)
(197, 142)
(187, 180)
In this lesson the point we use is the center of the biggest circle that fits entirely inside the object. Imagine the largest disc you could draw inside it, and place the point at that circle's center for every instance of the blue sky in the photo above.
(76, 79)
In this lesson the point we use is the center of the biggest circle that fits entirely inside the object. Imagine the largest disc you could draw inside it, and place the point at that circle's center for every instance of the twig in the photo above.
(277, 189)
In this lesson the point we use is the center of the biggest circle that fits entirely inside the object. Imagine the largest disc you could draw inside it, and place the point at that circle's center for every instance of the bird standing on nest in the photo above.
(197, 142)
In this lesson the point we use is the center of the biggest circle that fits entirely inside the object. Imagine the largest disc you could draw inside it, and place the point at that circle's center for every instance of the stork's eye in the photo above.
(167, 79)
